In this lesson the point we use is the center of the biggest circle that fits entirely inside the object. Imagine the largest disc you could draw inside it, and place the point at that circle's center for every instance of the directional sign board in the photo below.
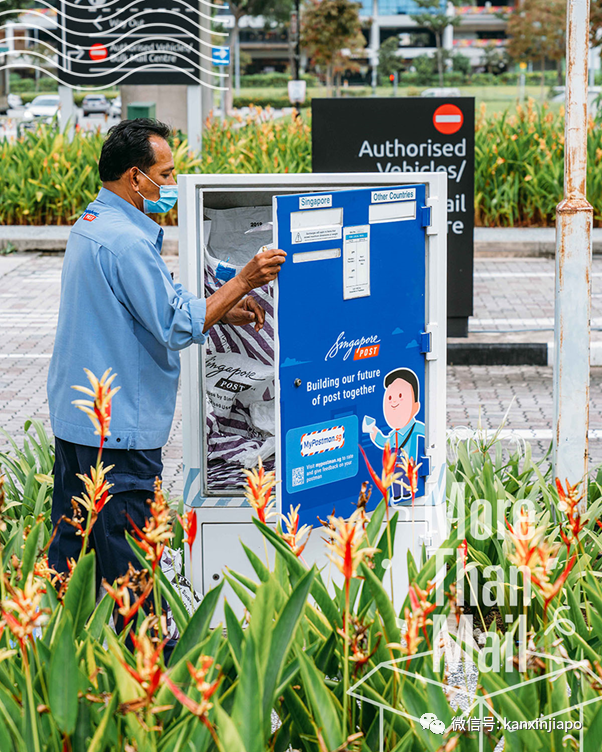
(220, 55)
(141, 42)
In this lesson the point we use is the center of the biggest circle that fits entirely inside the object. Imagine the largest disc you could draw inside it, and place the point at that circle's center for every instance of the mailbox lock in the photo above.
(216, 576)
(297, 382)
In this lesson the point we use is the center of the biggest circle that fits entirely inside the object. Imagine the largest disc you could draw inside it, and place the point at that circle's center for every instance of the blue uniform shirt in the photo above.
(120, 309)
(407, 438)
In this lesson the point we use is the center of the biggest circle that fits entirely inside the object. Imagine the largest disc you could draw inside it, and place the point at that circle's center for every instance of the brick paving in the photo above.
(513, 294)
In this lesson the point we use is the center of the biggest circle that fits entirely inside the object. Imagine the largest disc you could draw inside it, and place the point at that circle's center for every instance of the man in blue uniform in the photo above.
(120, 309)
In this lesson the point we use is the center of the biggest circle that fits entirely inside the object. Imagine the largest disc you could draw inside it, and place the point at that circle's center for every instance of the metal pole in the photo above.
(67, 112)
(237, 65)
(374, 45)
(195, 118)
(573, 266)
(298, 41)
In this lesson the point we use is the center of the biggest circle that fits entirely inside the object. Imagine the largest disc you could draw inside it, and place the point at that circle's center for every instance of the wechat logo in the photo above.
(432, 723)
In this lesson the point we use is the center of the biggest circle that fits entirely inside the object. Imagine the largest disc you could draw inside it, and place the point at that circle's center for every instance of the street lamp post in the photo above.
(573, 266)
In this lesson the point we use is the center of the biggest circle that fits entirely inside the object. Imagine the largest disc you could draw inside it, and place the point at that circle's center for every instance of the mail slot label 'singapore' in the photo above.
(315, 202)
(326, 440)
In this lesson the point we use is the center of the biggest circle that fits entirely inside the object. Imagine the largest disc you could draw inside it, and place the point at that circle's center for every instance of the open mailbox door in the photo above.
(352, 345)
(353, 357)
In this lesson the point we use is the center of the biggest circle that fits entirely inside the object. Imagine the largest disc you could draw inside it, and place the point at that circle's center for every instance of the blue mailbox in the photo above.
(352, 358)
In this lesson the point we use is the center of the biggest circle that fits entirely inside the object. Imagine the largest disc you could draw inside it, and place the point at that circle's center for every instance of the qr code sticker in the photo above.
(298, 476)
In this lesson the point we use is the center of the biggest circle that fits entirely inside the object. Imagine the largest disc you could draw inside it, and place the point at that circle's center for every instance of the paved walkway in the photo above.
(510, 294)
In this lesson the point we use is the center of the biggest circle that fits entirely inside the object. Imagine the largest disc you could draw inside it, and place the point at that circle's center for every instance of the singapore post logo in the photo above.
(481, 706)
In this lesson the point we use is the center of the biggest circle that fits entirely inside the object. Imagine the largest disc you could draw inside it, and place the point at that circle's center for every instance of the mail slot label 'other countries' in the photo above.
(410, 135)
(406, 194)
(321, 453)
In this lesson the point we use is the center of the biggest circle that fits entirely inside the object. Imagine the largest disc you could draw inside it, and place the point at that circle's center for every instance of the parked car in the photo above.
(445, 91)
(94, 103)
(43, 106)
(14, 101)
(115, 110)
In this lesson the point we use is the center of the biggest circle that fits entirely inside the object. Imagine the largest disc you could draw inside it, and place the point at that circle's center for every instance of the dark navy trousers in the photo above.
(133, 479)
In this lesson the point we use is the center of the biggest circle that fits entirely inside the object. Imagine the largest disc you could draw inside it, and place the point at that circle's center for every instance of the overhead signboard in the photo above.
(139, 42)
(410, 134)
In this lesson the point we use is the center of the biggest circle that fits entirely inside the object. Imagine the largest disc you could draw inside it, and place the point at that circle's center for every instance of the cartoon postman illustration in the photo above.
(401, 404)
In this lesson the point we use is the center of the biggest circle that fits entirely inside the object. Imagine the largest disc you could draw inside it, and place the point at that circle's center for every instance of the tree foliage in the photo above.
(537, 31)
(331, 33)
(388, 60)
(433, 17)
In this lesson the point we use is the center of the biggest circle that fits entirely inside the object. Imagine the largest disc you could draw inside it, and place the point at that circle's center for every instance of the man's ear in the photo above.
(133, 177)
(415, 408)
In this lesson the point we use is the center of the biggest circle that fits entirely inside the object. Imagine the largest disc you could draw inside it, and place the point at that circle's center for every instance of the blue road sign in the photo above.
(220, 55)
(352, 342)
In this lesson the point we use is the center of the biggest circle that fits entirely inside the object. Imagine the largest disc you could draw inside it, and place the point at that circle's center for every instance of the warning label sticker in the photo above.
(316, 234)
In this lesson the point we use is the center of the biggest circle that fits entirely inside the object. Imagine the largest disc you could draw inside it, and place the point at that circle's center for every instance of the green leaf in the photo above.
(99, 740)
(282, 638)
(296, 568)
(228, 735)
(30, 551)
(247, 712)
(383, 605)
(326, 715)
(100, 617)
(302, 720)
(63, 677)
(198, 626)
(80, 598)
(235, 635)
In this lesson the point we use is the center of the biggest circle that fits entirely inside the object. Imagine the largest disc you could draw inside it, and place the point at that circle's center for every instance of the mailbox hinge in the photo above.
(425, 216)
(425, 465)
(432, 202)
(426, 342)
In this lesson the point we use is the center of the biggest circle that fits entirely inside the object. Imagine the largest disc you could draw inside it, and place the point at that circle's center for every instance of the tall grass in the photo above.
(45, 179)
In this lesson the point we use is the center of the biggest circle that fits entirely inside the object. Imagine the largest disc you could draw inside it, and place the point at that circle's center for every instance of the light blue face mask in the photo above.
(168, 198)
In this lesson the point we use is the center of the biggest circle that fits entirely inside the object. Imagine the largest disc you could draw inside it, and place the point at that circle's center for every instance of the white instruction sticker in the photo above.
(356, 262)
(316, 234)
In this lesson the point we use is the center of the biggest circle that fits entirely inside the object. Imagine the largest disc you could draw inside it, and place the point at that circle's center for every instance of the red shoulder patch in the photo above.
(89, 217)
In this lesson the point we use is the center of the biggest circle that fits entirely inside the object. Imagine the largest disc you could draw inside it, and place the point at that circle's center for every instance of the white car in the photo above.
(115, 110)
(95, 103)
(445, 91)
(44, 106)
(14, 101)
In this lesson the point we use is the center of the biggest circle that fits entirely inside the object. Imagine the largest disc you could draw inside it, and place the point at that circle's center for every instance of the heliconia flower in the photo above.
(359, 643)
(410, 470)
(205, 688)
(96, 493)
(149, 672)
(189, 526)
(464, 550)
(43, 570)
(260, 486)
(344, 549)
(22, 611)
(133, 580)
(531, 549)
(294, 535)
(99, 408)
(157, 530)
(570, 503)
(388, 476)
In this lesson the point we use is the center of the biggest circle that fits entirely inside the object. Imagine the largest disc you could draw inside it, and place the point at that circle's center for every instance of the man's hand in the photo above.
(245, 312)
(262, 268)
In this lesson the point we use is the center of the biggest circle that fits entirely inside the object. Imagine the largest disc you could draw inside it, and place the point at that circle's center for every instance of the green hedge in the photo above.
(279, 80)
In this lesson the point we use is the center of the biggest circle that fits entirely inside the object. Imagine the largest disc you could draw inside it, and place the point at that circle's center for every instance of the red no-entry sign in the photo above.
(448, 118)
(98, 52)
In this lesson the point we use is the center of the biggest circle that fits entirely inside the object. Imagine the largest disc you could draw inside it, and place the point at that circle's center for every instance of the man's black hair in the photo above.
(406, 375)
(128, 145)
